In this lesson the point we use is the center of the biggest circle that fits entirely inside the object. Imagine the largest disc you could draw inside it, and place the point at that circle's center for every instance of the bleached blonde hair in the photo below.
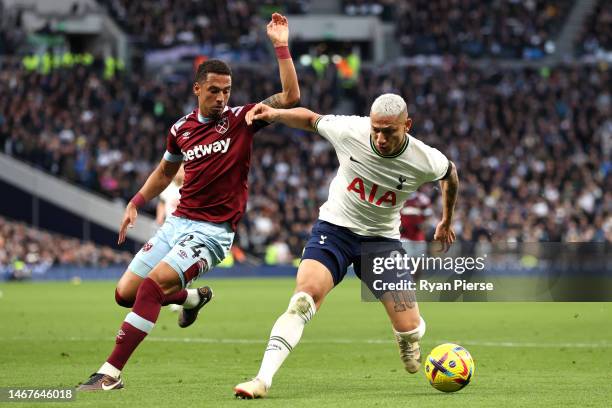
(389, 105)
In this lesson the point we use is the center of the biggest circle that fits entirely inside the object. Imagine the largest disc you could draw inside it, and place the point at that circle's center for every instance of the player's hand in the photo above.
(129, 219)
(445, 235)
(278, 30)
(261, 112)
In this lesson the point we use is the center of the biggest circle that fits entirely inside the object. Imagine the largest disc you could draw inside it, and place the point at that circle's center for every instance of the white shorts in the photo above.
(190, 247)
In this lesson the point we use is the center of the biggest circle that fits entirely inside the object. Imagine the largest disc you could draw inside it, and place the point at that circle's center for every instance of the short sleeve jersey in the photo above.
(369, 189)
(216, 155)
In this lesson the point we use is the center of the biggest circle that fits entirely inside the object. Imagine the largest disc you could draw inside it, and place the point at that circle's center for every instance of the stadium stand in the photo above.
(155, 24)
(519, 180)
(533, 145)
(11, 33)
(506, 29)
(597, 30)
(533, 152)
(25, 250)
(383, 9)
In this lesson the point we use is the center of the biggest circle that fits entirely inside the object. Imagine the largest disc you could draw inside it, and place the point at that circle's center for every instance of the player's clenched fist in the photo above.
(261, 112)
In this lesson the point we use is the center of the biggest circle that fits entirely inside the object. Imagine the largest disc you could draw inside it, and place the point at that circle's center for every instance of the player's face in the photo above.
(213, 94)
(388, 132)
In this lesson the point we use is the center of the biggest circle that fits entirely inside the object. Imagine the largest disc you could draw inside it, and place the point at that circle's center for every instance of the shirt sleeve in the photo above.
(173, 151)
(438, 163)
(336, 127)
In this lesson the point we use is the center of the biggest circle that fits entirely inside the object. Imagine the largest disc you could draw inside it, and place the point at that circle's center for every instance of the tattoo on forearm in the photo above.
(450, 189)
(273, 101)
(451, 193)
(276, 101)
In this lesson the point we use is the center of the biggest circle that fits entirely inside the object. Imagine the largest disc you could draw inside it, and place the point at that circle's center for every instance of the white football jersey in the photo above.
(171, 196)
(369, 190)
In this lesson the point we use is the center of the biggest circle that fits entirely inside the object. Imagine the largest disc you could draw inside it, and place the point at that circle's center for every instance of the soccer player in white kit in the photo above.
(380, 166)
(169, 198)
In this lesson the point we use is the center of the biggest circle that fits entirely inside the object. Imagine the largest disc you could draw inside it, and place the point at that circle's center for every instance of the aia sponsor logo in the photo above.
(147, 247)
(222, 125)
(358, 186)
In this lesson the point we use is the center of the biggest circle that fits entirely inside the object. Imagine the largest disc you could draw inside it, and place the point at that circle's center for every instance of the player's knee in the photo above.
(123, 300)
(166, 278)
(303, 305)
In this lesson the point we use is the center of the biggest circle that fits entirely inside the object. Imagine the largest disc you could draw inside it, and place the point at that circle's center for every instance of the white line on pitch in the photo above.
(205, 340)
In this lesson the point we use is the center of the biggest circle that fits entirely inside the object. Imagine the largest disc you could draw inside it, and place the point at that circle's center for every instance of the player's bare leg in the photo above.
(314, 281)
(408, 326)
(127, 287)
(192, 300)
(161, 285)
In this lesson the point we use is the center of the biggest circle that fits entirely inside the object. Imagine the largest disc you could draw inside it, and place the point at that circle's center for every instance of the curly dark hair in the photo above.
(214, 66)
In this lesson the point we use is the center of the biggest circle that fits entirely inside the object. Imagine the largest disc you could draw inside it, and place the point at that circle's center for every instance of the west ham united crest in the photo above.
(222, 125)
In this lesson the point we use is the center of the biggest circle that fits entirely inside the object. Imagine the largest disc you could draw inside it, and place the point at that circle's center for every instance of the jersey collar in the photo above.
(394, 155)
(203, 119)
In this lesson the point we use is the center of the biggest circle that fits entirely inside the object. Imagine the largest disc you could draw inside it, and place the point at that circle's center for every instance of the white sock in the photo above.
(109, 369)
(412, 335)
(193, 298)
(286, 334)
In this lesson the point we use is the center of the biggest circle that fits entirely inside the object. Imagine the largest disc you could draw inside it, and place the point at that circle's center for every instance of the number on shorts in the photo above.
(185, 240)
(196, 250)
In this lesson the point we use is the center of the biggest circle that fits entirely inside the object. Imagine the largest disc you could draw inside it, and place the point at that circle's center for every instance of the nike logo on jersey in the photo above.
(353, 160)
(199, 151)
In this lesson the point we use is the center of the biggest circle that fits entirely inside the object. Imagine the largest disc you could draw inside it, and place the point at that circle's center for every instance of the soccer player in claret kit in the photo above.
(214, 144)
(380, 166)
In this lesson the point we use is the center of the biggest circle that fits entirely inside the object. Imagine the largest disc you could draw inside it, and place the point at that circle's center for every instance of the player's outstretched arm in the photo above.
(450, 187)
(157, 182)
(299, 118)
(278, 32)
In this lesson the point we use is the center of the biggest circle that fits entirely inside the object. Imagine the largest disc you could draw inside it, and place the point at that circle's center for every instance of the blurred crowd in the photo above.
(11, 32)
(506, 29)
(107, 134)
(233, 24)
(597, 32)
(25, 250)
(497, 28)
(380, 8)
(532, 146)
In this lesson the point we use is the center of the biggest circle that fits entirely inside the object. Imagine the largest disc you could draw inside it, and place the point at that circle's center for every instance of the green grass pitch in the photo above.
(527, 354)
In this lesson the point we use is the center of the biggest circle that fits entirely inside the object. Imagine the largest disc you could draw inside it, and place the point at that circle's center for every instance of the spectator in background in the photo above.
(169, 198)
(26, 250)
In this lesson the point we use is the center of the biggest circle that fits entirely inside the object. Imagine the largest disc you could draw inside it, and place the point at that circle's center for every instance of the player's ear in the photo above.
(408, 124)
(196, 88)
